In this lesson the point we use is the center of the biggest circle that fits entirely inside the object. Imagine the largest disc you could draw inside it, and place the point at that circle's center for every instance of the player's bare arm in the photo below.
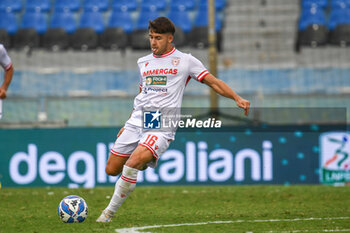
(7, 80)
(223, 89)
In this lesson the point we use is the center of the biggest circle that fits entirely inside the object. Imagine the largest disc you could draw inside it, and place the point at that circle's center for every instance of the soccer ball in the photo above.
(72, 209)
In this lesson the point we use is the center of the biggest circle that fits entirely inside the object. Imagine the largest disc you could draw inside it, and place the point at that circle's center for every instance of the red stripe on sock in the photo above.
(133, 181)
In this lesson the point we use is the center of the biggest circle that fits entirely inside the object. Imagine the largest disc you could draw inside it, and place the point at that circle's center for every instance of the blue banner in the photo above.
(76, 157)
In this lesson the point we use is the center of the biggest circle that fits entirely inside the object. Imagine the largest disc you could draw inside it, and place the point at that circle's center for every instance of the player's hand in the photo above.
(2, 93)
(120, 132)
(244, 104)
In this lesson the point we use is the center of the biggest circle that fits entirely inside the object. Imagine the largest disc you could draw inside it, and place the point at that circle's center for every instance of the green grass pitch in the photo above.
(240, 208)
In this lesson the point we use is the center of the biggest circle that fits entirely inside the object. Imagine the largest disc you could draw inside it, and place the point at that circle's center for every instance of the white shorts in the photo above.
(132, 136)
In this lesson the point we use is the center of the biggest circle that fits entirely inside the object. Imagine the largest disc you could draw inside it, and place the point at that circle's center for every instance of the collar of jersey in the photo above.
(165, 54)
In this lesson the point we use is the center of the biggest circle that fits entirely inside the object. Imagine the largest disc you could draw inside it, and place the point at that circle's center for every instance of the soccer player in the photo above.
(164, 75)
(6, 64)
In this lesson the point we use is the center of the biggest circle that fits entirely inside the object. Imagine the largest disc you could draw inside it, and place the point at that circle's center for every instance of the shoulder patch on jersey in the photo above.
(176, 61)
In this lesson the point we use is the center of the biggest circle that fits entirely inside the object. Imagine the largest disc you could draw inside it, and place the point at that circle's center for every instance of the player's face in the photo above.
(160, 43)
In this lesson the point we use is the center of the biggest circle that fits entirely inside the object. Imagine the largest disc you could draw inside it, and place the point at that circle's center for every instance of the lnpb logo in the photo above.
(335, 161)
(152, 119)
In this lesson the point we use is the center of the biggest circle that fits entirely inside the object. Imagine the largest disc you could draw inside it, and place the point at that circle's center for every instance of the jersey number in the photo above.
(151, 139)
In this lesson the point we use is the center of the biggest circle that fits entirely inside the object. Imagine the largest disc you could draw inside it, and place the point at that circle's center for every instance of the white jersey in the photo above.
(5, 60)
(163, 80)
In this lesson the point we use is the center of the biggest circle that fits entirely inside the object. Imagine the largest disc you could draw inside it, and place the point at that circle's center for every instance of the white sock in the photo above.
(123, 187)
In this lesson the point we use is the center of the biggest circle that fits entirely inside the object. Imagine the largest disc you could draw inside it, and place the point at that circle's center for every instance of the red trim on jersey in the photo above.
(127, 179)
(151, 149)
(165, 54)
(202, 75)
(119, 154)
(188, 79)
(8, 67)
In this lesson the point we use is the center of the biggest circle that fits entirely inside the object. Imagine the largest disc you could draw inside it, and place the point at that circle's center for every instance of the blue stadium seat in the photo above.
(87, 34)
(33, 26)
(202, 18)
(180, 4)
(63, 18)
(119, 26)
(61, 28)
(8, 22)
(199, 33)
(121, 18)
(8, 26)
(11, 5)
(313, 30)
(90, 29)
(92, 18)
(336, 4)
(139, 37)
(159, 4)
(146, 14)
(311, 16)
(314, 3)
(339, 26)
(180, 18)
(34, 19)
(102, 5)
(43, 5)
(338, 17)
(73, 5)
(130, 5)
(219, 4)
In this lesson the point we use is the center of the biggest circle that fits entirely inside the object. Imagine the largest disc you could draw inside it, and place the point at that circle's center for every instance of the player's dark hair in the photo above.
(161, 25)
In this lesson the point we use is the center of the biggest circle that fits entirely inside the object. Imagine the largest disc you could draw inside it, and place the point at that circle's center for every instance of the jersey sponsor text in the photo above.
(159, 72)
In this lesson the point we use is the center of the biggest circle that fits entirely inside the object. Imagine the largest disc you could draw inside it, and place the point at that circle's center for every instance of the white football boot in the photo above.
(106, 216)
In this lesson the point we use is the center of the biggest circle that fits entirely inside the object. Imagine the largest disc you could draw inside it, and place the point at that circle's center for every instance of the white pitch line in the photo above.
(136, 229)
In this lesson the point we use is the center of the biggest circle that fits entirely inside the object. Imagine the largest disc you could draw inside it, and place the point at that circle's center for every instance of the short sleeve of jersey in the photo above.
(196, 69)
(5, 60)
